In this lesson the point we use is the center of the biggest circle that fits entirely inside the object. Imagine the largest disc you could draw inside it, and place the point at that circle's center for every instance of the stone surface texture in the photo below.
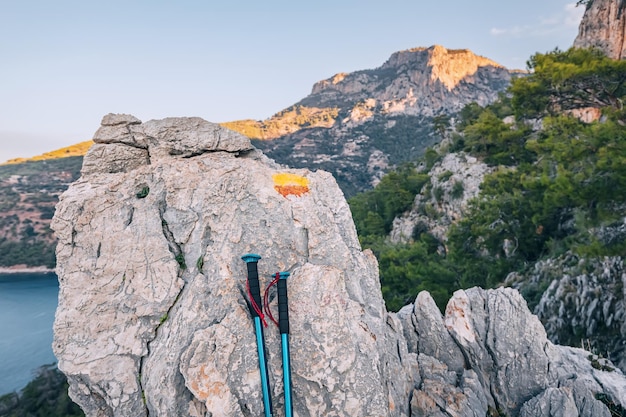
(585, 300)
(604, 27)
(488, 355)
(153, 318)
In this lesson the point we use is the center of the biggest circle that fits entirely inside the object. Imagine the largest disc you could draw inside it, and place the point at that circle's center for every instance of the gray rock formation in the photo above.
(454, 181)
(490, 356)
(604, 27)
(152, 317)
(584, 303)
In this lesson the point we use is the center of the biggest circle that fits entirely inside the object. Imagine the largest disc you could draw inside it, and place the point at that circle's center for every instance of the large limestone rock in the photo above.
(604, 27)
(490, 356)
(152, 316)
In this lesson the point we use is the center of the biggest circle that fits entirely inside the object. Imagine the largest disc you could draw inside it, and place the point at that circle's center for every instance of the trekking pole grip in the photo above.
(283, 304)
(251, 260)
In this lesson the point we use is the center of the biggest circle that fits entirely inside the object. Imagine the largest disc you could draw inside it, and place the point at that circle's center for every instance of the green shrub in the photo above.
(143, 192)
(457, 190)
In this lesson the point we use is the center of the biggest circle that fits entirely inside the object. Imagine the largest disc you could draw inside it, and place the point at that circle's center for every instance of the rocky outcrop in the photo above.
(604, 27)
(152, 316)
(454, 181)
(387, 111)
(583, 304)
(489, 356)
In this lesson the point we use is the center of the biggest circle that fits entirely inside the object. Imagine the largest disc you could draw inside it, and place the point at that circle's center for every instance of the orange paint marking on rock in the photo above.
(290, 184)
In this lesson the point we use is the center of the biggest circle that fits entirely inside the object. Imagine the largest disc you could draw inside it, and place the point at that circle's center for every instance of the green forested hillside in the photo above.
(559, 183)
(28, 193)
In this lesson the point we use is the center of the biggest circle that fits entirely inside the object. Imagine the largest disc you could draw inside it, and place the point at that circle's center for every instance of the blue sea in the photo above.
(27, 306)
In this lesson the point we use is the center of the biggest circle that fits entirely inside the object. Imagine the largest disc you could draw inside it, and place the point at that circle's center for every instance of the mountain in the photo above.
(359, 125)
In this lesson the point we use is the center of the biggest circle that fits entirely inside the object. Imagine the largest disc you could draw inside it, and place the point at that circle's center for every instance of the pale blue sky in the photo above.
(65, 64)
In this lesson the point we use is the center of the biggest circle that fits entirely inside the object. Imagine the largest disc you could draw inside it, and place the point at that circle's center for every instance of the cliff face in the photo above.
(152, 316)
(384, 116)
(604, 27)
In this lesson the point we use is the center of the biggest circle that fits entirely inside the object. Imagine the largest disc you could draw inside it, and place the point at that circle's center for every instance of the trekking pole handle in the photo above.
(283, 309)
(255, 305)
(251, 260)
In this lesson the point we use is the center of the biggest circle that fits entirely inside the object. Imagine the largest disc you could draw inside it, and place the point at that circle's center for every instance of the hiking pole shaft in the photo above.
(254, 287)
(260, 345)
(283, 325)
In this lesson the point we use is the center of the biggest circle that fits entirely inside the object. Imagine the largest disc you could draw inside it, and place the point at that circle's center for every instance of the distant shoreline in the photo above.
(25, 270)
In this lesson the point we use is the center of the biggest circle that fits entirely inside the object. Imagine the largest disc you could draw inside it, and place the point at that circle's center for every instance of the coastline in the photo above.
(21, 269)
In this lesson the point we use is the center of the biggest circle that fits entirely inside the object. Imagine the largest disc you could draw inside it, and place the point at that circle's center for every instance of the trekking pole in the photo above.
(283, 325)
(254, 292)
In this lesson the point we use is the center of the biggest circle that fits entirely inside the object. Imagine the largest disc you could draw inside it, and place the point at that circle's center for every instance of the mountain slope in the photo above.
(29, 192)
(385, 116)
(78, 149)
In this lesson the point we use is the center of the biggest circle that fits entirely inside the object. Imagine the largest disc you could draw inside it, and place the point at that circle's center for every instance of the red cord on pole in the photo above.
(266, 298)
(256, 308)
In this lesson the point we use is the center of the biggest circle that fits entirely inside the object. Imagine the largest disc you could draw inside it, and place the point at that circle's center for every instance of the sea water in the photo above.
(27, 306)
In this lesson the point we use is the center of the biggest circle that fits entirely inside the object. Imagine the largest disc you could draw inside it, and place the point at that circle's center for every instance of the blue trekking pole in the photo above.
(283, 325)
(254, 292)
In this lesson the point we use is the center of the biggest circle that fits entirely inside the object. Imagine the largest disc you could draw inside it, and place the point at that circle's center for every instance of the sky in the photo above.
(65, 64)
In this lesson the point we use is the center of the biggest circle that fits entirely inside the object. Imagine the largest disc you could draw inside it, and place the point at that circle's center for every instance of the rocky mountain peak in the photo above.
(447, 66)
(406, 75)
(604, 26)
(382, 117)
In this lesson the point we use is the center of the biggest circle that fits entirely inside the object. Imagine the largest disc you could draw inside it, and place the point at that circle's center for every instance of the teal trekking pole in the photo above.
(254, 293)
(283, 325)
(280, 280)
